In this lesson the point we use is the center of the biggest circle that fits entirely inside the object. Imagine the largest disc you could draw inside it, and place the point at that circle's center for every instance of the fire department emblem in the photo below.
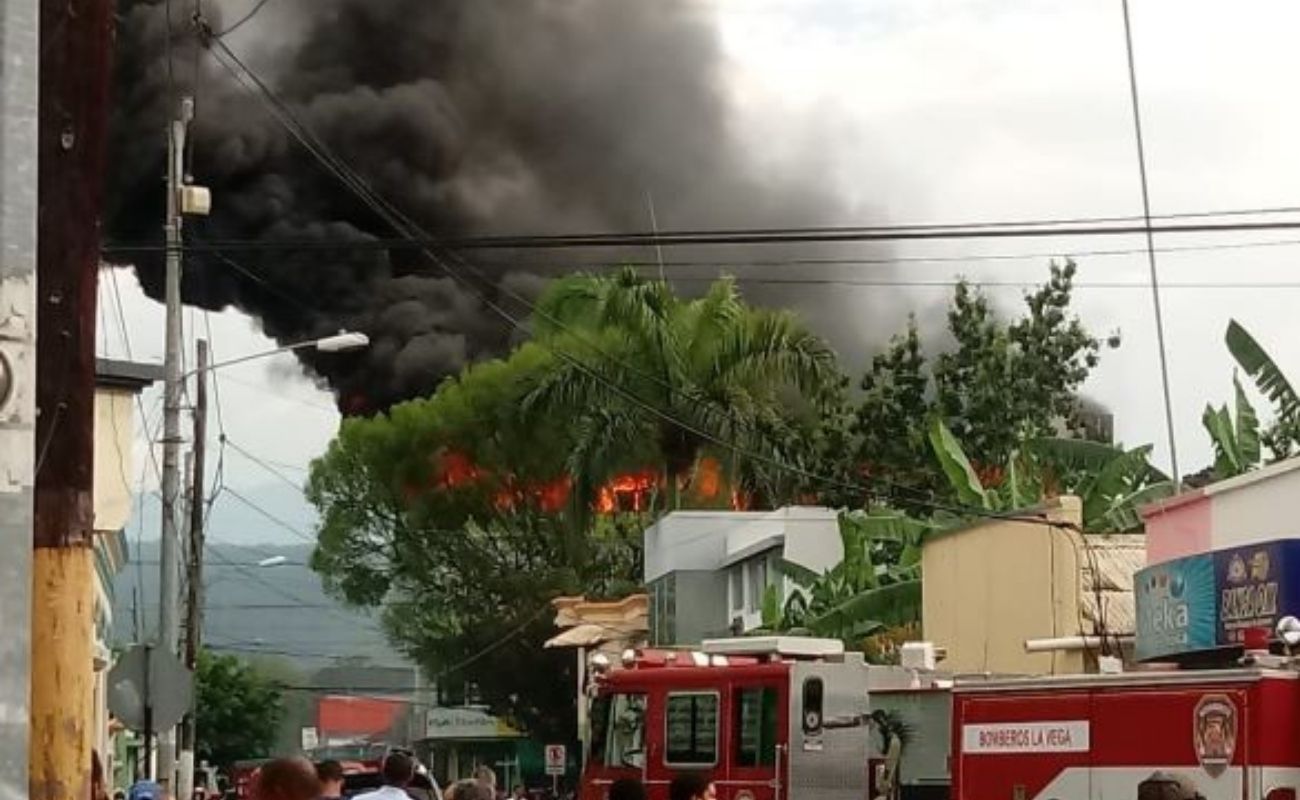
(1215, 733)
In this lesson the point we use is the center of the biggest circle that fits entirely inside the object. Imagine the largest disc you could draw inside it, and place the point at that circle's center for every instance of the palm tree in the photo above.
(636, 364)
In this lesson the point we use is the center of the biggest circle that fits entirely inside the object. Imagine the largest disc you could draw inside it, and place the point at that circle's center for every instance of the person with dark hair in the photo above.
(330, 775)
(691, 786)
(627, 789)
(286, 779)
(398, 771)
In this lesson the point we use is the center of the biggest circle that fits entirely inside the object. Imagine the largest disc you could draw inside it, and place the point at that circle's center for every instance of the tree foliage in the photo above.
(450, 513)
(999, 385)
(239, 710)
(639, 366)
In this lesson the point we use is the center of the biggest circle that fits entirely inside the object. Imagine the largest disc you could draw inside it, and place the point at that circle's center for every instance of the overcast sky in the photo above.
(958, 110)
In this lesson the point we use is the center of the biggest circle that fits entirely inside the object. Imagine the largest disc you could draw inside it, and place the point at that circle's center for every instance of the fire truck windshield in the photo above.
(618, 730)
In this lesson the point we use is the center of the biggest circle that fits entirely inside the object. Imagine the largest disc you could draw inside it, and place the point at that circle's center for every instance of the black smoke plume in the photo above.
(471, 116)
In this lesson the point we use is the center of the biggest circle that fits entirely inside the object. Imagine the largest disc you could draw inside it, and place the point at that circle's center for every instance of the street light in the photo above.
(168, 623)
(341, 342)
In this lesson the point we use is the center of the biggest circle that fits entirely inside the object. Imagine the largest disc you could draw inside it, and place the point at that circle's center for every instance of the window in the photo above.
(756, 714)
(757, 583)
(663, 611)
(618, 730)
(737, 580)
(692, 730)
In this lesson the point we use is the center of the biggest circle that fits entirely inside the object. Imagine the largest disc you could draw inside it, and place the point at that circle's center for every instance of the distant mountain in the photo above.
(257, 610)
(261, 514)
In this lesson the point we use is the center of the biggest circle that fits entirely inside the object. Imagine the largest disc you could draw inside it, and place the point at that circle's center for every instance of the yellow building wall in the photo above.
(990, 586)
(114, 470)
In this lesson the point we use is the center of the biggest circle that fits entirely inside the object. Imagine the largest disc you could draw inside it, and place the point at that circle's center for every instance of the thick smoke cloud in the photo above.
(519, 116)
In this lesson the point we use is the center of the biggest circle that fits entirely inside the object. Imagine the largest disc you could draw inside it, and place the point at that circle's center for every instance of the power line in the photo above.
(755, 236)
(266, 466)
(273, 518)
(244, 19)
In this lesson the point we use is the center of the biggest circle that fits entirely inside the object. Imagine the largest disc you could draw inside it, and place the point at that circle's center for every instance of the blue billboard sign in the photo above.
(1177, 607)
(1256, 585)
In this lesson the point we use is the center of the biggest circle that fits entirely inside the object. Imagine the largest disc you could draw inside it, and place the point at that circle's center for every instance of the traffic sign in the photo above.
(556, 759)
(168, 682)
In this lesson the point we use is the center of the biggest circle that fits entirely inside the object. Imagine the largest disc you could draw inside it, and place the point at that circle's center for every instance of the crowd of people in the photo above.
(299, 779)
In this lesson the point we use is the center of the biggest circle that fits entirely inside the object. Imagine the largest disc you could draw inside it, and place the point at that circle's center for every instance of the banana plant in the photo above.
(1283, 436)
(1236, 442)
(875, 586)
(1111, 483)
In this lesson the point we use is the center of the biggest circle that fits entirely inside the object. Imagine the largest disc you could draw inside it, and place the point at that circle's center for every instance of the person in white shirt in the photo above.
(398, 771)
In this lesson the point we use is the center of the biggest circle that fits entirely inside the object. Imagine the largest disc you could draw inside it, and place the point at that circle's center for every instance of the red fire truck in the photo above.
(1213, 734)
(766, 718)
(798, 719)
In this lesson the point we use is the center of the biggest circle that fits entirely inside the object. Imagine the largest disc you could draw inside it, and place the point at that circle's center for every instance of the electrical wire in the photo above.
(756, 236)
(243, 20)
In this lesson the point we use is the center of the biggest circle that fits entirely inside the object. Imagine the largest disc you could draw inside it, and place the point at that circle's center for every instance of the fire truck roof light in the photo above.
(699, 659)
(787, 646)
(629, 657)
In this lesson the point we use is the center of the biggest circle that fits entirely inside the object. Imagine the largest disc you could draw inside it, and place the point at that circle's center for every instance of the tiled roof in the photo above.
(1109, 562)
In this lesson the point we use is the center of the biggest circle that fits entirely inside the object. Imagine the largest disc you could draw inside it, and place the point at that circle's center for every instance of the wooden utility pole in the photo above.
(194, 566)
(75, 65)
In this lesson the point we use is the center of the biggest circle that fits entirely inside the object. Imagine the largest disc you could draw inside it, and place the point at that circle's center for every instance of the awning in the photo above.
(585, 635)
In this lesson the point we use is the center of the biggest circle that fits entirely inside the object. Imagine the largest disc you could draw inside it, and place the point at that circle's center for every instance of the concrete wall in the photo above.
(991, 586)
(701, 606)
(114, 467)
(1256, 507)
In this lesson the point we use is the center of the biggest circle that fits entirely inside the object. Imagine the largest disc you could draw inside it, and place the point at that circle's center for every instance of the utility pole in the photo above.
(75, 64)
(19, 49)
(194, 572)
(168, 628)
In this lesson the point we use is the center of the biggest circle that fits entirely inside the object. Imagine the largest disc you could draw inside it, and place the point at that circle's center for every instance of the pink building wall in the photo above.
(1180, 527)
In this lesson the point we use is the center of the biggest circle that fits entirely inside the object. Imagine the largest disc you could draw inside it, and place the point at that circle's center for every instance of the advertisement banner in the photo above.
(1257, 585)
(1177, 607)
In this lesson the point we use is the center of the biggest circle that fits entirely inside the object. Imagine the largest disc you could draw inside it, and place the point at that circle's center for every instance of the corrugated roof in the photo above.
(1108, 566)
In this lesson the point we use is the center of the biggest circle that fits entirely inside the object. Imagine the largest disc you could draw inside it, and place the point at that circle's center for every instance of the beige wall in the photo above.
(114, 468)
(990, 586)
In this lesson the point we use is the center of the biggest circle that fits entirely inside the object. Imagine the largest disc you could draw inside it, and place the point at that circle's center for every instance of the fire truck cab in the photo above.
(756, 715)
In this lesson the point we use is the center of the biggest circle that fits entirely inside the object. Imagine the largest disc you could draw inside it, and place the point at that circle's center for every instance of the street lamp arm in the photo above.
(338, 343)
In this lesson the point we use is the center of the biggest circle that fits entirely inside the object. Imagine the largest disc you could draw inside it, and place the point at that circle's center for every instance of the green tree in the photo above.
(239, 710)
(1236, 442)
(1001, 384)
(637, 361)
(454, 513)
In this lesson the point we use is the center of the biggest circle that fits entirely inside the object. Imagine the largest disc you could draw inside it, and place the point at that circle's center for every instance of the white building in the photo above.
(707, 571)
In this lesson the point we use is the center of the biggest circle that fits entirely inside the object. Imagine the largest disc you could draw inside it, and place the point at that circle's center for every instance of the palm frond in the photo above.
(1124, 515)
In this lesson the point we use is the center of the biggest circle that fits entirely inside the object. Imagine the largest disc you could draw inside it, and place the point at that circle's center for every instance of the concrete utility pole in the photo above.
(168, 628)
(19, 49)
(75, 64)
(194, 565)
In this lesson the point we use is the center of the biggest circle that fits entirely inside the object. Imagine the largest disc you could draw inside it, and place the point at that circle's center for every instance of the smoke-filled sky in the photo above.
(739, 112)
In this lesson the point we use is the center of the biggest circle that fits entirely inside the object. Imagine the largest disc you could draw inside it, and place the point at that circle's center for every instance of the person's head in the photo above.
(484, 775)
(399, 769)
(691, 786)
(627, 789)
(287, 779)
(519, 792)
(330, 775)
(470, 789)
